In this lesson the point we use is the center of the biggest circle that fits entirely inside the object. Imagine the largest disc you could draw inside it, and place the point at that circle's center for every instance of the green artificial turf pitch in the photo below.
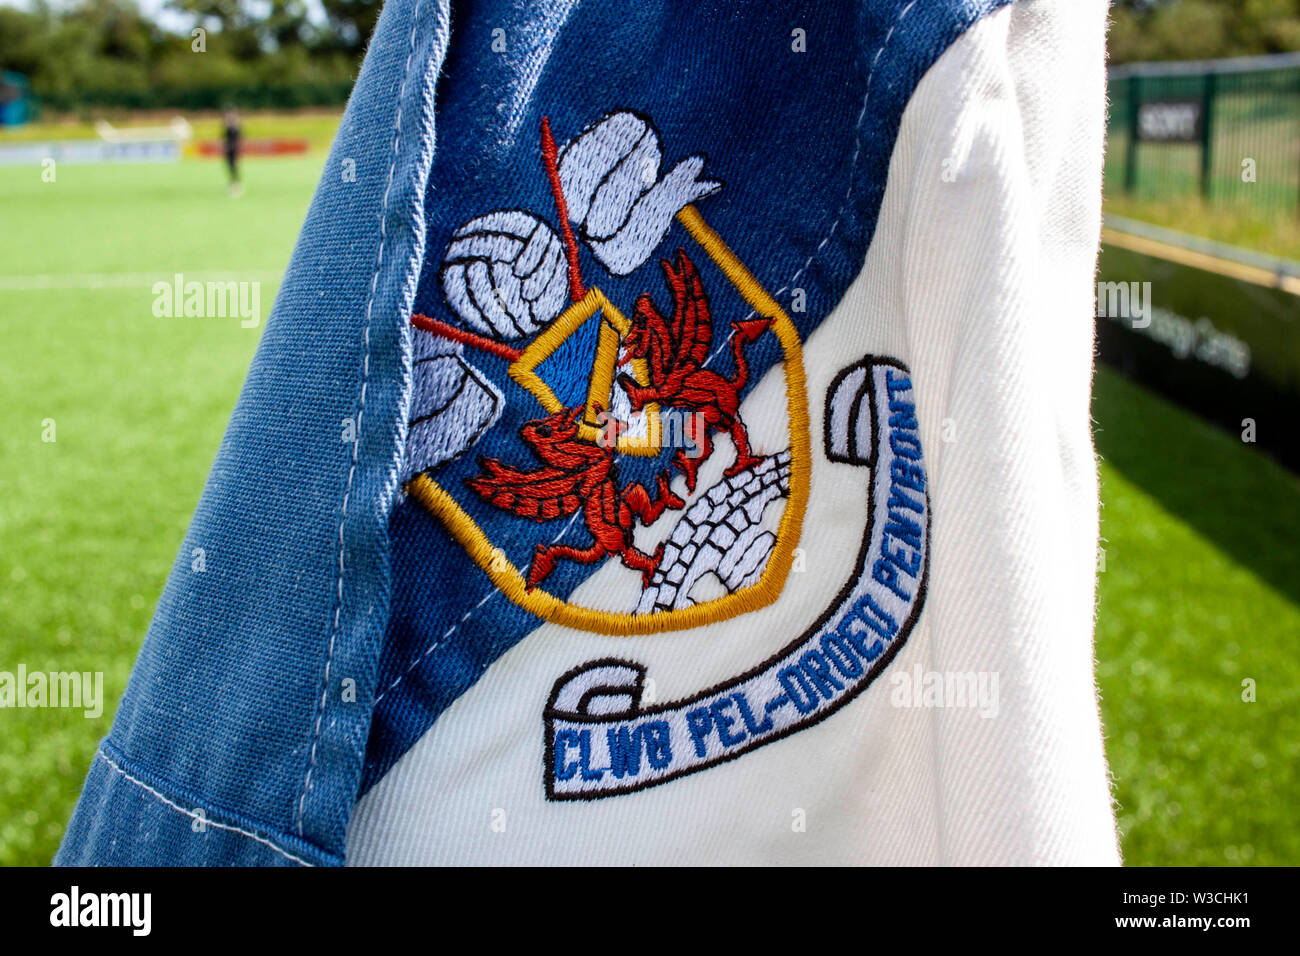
(1201, 587)
(1199, 603)
(91, 522)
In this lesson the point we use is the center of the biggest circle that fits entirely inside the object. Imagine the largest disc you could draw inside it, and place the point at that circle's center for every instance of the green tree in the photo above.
(351, 23)
(1202, 29)
(250, 30)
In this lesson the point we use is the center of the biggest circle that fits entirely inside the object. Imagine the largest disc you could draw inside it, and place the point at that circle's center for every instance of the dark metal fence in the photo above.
(1226, 129)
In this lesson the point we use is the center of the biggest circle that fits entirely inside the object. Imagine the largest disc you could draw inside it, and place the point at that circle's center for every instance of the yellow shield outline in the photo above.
(510, 580)
(613, 327)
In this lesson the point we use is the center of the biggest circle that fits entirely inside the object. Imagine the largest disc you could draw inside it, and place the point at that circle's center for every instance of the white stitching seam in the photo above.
(194, 815)
(853, 168)
(361, 407)
(492, 592)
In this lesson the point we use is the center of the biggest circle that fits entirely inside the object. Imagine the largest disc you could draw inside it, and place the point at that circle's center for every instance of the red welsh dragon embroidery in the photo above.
(579, 475)
(676, 351)
(576, 475)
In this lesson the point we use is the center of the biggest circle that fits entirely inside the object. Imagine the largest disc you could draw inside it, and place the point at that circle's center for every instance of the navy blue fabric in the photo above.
(802, 141)
(333, 622)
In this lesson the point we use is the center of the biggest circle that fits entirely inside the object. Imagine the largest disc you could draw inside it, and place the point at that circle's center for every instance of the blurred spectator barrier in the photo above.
(280, 146)
(139, 144)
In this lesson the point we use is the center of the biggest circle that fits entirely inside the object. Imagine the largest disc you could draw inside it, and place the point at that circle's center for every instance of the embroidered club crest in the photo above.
(634, 467)
(621, 379)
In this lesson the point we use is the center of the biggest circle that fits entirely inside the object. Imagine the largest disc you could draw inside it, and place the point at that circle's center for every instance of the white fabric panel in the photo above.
(979, 278)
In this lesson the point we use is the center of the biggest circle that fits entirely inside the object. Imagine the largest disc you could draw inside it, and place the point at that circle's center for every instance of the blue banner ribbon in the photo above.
(601, 740)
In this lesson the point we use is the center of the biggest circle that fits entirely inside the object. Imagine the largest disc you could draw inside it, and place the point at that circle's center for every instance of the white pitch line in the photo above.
(126, 280)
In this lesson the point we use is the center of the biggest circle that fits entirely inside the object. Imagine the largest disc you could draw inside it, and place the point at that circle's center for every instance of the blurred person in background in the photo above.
(232, 134)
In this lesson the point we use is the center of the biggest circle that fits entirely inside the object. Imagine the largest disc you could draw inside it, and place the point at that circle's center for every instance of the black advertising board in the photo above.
(1223, 346)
